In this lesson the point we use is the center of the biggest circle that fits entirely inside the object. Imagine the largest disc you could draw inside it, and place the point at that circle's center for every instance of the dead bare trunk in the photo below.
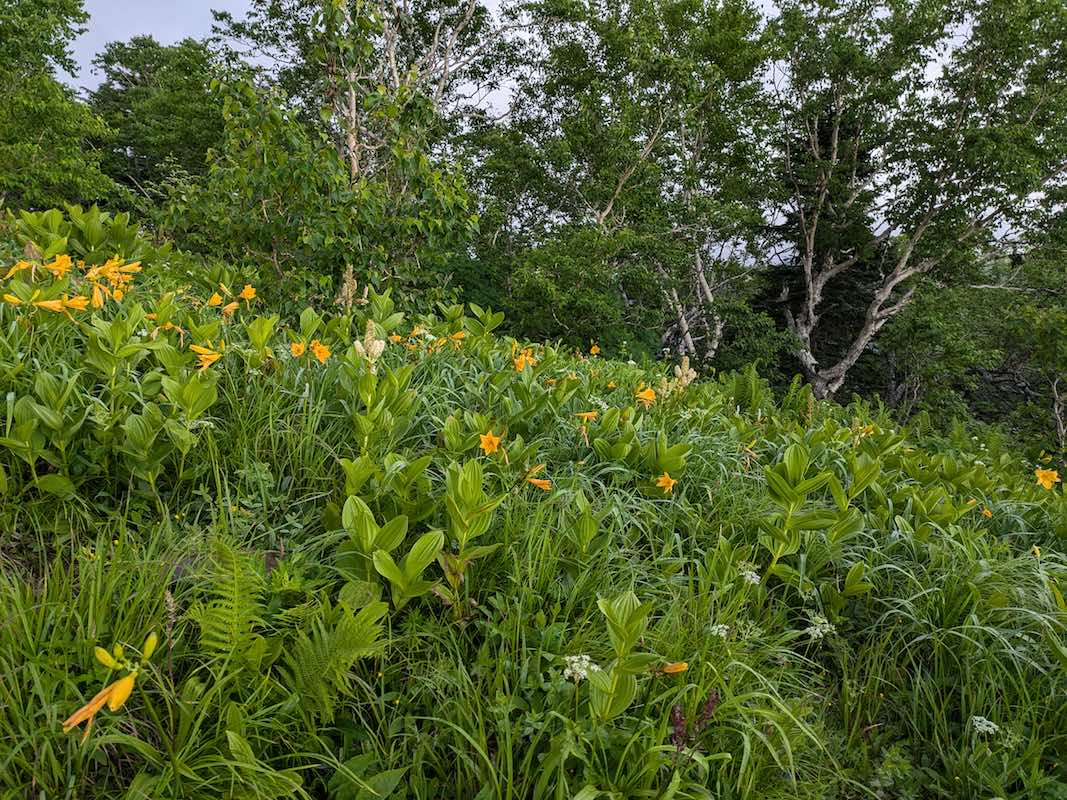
(679, 312)
(706, 303)
(1059, 414)
(352, 129)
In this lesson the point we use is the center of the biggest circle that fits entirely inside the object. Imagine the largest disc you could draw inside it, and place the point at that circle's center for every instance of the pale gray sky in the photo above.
(168, 22)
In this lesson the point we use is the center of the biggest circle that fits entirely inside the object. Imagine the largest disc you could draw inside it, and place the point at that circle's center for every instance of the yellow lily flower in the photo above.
(55, 306)
(524, 359)
(489, 442)
(207, 355)
(666, 483)
(60, 266)
(646, 396)
(114, 694)
(320, 351)
(19, 267)
(1047, 478)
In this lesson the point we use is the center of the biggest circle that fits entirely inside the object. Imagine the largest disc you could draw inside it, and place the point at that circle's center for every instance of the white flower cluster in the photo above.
(720, 630)
(983, 725)
(578, 667)
(751, 576)
(683, 376)
(371, 347)
(820, 627)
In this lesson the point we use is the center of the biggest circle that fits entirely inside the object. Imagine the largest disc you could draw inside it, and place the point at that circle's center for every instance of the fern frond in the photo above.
(229, 618)
(317, 663)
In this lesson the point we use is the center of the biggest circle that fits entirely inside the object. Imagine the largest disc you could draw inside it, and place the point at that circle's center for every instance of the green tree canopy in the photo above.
(45, 158)
(911, 135)
(626, 138)
(158, 103)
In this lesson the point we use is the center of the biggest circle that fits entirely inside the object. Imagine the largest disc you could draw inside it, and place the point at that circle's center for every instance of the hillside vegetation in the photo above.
(871, 194)
(368, 553)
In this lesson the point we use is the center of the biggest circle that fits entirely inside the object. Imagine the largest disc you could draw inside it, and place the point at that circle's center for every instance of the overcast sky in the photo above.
(168, 21)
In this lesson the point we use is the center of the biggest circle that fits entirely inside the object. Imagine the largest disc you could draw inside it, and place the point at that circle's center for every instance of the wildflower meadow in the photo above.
(365, 551)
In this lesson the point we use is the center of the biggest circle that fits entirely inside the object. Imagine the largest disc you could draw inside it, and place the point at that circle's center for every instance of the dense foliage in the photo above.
(437, 399)
(357, 552)
(146, 88)
(45, 156)
(867, 194)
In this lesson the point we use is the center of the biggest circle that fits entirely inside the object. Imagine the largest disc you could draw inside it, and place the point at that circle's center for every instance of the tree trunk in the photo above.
(679, 312)
(352, 129)
(1059, 414)
(712, 332)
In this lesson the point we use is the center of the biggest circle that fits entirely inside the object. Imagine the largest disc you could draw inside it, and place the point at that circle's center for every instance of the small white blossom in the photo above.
(720, 630)
(751, 576)
(983, 725)
(820, 627)
(578, 667)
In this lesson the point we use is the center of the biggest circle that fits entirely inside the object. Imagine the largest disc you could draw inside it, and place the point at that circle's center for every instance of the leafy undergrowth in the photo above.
(386, 557)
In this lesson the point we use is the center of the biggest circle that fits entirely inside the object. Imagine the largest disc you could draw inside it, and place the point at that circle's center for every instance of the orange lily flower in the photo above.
(666, 483)
(489, 442)
(207, 355)
(320, 351)
(1047, 478)
(114, 694)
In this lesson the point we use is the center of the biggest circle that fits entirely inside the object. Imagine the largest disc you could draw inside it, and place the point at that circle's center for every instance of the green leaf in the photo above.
(392, 533)
(779, 487)
(796, 462)
(854, 583)
(806, 487)
(423, 553)
(387, 568)
(56, 484)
